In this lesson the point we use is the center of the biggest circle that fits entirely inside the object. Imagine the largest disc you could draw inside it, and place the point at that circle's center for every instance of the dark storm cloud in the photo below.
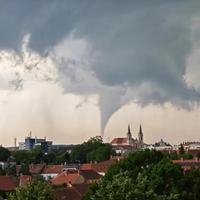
(139, 41)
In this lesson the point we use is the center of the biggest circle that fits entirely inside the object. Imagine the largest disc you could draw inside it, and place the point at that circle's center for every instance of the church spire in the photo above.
(140, 129)
(129, 130)
(129, 136)
(140, 135)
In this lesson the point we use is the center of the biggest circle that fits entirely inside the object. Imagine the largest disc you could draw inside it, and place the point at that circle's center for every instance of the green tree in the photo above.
(28, 156)
(146, 175)
(21, 156)
(36, 155)
(24, 169)
(2, 171)
(100, 154)
(92, 150)
(185, 156)
(79, 153)
(10, 170)
(35, 190)
(49, 158)
(181, 149)
(190, 185)
(4, 154)
(62, 158)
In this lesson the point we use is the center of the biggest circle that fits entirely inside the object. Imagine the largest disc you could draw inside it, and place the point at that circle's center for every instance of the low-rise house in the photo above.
(160, 146)
(163, 146)
(81, 188)
(76, 177)
(195, 153)
(188, 146)
(67, 193)
(188, 164)
(67, 178)
(192, 148)
(90, 176)
(47, 171)
(24, 180)
(71, 166)
(36, 169)
(72, 192)
(7, 183)
(50, 171)
(6, 164)
(101, 167)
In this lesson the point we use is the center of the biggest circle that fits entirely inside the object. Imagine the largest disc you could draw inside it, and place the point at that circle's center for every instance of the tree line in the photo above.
(94, 150)
(147, 175)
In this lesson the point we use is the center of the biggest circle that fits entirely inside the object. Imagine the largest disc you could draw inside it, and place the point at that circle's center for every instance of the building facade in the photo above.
(124, 145)
(31, 143)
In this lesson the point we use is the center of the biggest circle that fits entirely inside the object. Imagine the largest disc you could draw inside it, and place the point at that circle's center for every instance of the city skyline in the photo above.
(72, 70)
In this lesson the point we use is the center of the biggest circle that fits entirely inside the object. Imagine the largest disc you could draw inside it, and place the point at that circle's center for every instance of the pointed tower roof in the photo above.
(129, 130)
(129, 135)
(140, 131)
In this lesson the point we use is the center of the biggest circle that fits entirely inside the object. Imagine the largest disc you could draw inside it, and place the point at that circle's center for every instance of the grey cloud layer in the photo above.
(142, 45)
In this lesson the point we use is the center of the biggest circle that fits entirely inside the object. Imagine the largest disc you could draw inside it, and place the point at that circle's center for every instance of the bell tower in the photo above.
(128, 135)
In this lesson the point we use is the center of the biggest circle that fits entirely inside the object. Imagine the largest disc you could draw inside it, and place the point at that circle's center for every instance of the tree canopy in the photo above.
(92, 150)
(4, 154)
(36, 155)
(35, 190)
(146, 175)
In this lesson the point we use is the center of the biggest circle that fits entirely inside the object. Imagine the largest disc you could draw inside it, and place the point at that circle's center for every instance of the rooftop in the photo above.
(7, 183)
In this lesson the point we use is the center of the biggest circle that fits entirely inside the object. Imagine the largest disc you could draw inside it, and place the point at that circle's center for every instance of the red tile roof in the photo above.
(188, 164)
(86, 166)
(82, 188)
(76, 177)
(186, 161)
(68, 193)
(65, 178)
(117, 158)
(24, 180)
(89, 174)
(74, 192)
(52, 169)
(42, 169)
(36, 168)
(119, 141)
(101, 167)
(7, 183)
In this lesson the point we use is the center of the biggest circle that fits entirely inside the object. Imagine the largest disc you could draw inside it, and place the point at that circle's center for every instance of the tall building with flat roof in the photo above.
(31, 143)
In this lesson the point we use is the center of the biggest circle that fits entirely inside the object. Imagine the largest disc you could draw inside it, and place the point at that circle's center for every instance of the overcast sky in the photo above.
(74, 69)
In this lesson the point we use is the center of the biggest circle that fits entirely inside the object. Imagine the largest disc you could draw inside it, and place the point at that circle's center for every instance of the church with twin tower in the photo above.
(127, 144)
